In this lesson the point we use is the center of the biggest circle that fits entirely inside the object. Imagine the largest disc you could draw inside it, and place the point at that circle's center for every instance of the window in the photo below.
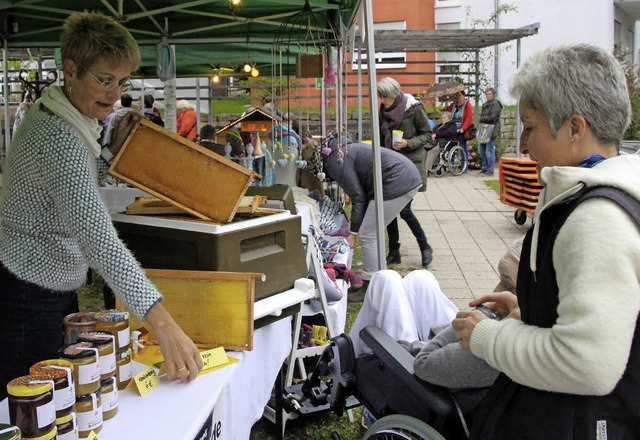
(384, 60)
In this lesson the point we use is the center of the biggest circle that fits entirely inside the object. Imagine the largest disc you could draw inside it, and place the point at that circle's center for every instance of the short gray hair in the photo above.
(389, 88)
(577, 79)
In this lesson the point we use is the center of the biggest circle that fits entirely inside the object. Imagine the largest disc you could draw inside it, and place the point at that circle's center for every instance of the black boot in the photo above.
(394, 254)
(427, 253)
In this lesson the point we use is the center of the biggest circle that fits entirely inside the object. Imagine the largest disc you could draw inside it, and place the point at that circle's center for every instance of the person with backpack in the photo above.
(568, 344)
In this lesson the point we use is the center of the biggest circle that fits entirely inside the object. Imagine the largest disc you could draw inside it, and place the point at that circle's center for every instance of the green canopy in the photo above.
(206, 34)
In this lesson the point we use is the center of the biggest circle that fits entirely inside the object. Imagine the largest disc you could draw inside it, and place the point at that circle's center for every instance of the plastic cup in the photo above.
(397, 135)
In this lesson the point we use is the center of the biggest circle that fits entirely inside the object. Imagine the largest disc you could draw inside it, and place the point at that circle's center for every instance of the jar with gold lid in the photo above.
(89, 414)
(86, 372)
(123, 369)
(31, 406)
(9, 432)
(67, 429)
(109, 395)
(115, 322)
(105, 343)
(61, 372)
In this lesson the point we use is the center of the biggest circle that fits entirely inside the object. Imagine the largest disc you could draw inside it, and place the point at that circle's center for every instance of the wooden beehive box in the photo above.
(213, 308)
(189, 176)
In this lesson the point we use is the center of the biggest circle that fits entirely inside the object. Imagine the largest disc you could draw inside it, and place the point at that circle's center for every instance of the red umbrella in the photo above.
(443, 89)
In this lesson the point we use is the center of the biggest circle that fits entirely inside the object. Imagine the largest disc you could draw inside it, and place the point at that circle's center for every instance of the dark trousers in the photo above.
(31, 325)
(410, 218)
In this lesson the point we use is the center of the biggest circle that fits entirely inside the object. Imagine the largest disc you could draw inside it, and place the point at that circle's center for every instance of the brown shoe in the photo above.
(357, 295)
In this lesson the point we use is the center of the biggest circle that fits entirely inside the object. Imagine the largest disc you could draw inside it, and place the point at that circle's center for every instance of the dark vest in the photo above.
(514, 411)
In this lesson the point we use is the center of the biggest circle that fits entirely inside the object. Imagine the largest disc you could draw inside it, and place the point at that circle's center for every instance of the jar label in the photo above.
(123, 337)
(46, 414)
(89, 420)
(88, 373)
(64, 397)
(71, 435)
(125, 372)
(108, 363)
(110, 400)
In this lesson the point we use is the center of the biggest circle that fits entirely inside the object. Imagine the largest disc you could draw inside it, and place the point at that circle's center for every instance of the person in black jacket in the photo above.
(491, 110)
(445, 132)
(351, 165)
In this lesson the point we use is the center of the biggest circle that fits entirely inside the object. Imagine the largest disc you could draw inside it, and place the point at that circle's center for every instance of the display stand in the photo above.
(274, 411)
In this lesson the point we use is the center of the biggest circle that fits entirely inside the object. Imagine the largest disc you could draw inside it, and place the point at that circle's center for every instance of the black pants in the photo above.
(31, 325)
(410, 218)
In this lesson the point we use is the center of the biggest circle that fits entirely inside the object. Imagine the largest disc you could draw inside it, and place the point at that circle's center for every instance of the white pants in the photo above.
(368, 235)
(405, 309)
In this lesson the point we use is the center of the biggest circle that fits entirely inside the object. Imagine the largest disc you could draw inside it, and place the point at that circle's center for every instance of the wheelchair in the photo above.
(405, 407)
(451, 158)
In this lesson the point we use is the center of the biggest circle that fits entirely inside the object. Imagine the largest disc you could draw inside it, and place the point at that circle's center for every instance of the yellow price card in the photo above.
(92, 436)
(146, 380)
(213, 358)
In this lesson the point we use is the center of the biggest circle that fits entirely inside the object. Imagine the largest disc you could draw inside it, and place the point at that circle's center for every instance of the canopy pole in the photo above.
(518, 59)
(359, 82)
(375, 134)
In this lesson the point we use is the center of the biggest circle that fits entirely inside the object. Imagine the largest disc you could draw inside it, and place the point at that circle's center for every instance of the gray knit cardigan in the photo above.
(53, 223)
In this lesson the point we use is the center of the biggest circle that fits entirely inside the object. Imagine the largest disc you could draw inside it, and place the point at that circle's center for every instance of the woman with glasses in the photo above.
(53, 223)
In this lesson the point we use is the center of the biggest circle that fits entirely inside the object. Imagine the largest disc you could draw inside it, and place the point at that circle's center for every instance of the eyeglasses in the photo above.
(108, 84)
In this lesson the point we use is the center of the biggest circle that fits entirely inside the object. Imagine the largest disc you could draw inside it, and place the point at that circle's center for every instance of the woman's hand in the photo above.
(505, 304)
(351, 239)
(123, 129)
(464, 323)
(399, 145)
(182, 358)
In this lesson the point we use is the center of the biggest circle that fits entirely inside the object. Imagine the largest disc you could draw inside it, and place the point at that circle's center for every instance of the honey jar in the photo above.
(61, 372)
(123, 369)
(31, 406)
(105, 343)
(9, 432)
(86, 371)
(89, 414)
(109, 395)
(76, 323)
(117, 323)
(67, 429)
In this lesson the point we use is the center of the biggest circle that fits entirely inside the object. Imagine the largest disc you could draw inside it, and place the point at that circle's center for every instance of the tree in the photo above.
(632, 72)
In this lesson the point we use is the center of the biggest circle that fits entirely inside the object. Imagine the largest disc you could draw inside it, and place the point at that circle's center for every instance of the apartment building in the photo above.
(606, 23)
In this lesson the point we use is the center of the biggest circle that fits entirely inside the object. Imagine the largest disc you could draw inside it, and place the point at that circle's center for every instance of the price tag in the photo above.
(92, 436)
(146, 381)
(213, 358)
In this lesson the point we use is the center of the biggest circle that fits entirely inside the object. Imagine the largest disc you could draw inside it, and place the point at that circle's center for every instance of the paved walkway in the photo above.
(469, 230)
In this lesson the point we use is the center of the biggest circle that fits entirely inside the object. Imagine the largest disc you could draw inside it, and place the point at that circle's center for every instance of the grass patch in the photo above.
(229, 106)
(493, 184)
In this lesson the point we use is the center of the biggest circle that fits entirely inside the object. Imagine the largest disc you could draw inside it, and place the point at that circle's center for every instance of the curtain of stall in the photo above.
(375, 133)
(7, 119)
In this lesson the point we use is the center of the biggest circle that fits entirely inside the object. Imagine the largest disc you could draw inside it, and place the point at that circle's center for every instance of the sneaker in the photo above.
(482, 172)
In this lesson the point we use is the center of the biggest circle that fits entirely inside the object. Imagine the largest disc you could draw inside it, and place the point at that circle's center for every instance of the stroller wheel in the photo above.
(399, 426)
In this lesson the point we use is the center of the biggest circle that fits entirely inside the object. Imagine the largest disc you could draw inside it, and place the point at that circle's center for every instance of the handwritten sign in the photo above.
(213, 358)
(146, 380)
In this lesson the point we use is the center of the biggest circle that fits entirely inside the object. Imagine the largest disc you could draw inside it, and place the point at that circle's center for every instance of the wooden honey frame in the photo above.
(185, 174)
(213, 308)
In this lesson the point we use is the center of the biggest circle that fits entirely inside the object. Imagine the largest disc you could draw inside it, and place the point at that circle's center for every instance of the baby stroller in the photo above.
(452, 157)
(405, 406)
